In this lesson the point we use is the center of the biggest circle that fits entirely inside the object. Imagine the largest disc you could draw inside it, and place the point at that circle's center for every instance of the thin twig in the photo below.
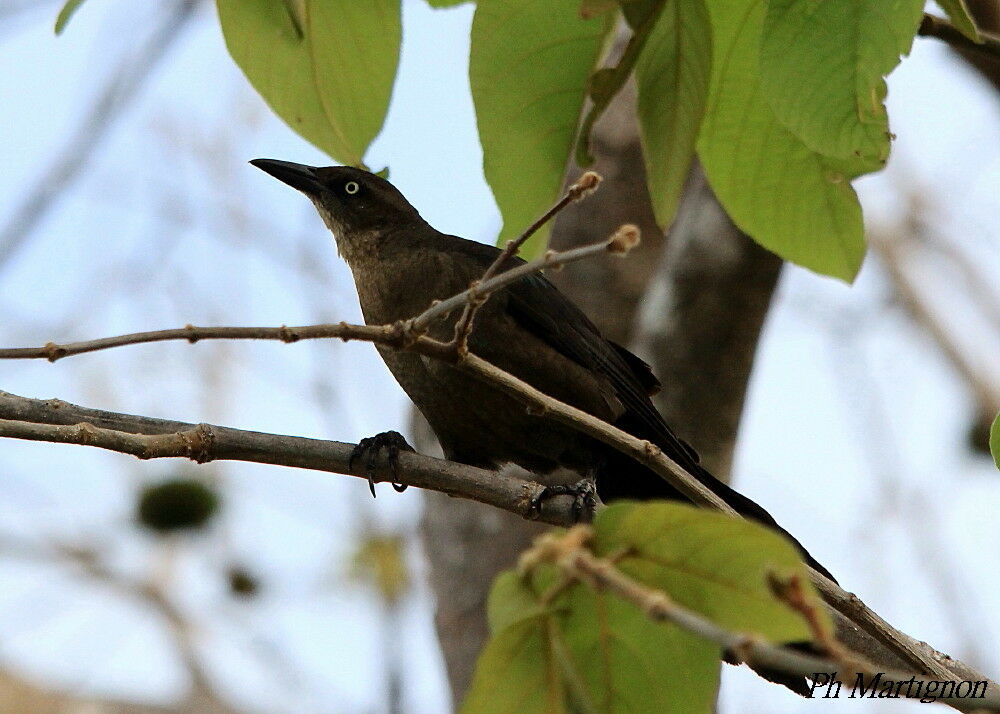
(478, 294)
(403, 335)
(921, 657)
(382, 334)
(933, 26)
(792, 592)
(643, 451)
(570, 554)
(551, 259)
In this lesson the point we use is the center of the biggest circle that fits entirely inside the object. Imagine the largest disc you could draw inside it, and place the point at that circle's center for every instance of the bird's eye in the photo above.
(352, 187)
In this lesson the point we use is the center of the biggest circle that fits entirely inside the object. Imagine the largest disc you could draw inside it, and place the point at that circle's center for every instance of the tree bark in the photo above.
(701, 320)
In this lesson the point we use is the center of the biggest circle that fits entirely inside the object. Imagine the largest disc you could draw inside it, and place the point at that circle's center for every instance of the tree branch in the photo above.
(477, 293)
(148, 438)
(403, 335)
(569, 552)
(933, 26)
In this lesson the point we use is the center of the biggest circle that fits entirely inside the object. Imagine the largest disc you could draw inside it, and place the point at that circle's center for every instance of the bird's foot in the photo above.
(392, 442)
(584, 495)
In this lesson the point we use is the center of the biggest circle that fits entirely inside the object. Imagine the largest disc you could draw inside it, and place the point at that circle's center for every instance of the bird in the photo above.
(401, 264)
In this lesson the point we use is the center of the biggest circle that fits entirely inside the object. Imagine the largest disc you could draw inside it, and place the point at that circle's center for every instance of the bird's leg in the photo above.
(584, 494)
(369, 448)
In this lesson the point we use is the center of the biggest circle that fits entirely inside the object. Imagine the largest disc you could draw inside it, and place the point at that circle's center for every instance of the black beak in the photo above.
(297, 176)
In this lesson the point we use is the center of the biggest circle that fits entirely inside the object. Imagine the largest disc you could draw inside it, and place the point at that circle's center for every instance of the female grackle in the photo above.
(529, 329)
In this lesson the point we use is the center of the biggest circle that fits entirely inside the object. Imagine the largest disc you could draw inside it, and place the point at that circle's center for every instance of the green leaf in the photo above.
(517, 673)
(995, 441)
(328, 74)
(585, 651)
(511, 601)
(559, 648)
(958, 12)
(70, 7)
(672, 75)
(445, 3)
(790, 199)
(822, 66)
(627, 663)
(713, 564)
(528, 69)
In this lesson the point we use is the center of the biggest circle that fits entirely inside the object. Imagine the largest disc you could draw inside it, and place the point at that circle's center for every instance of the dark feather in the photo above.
(538, 306)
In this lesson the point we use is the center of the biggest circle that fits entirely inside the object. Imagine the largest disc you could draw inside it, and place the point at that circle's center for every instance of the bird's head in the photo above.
(354, 203)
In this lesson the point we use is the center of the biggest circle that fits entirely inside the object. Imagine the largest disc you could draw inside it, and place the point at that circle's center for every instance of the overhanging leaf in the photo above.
(510, 601)
(517, 673)
(70, 7)
(710, 563)
(585, 651)
(790, 199)
(628, 664)
(672, 75)
(528, 70)
(328, 75)
(822, 66)
(563, 646)
(958, 12)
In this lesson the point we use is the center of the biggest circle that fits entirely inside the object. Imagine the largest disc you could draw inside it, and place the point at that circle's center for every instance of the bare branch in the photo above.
(919, 655)
(645, 452)
(148, 438)
(404, 335)
(478, 294)
(382, 334)
(205, 442)
(551, 259)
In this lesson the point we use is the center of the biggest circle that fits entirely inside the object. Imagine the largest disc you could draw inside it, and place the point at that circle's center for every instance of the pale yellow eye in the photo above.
(352, 187)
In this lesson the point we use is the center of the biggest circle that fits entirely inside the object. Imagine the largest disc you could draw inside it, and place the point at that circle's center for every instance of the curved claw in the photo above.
(584, 495)
(369, 448)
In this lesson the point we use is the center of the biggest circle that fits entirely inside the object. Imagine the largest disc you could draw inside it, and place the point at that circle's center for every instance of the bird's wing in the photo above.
(538, 306)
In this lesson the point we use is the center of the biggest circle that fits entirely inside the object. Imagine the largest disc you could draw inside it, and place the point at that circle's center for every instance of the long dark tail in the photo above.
(621, 477)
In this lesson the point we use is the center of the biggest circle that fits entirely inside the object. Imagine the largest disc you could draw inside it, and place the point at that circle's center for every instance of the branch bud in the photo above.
(625, 239)
(585, 185)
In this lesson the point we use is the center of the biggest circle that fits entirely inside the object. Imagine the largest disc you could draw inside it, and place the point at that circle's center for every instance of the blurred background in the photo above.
(126, 204)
